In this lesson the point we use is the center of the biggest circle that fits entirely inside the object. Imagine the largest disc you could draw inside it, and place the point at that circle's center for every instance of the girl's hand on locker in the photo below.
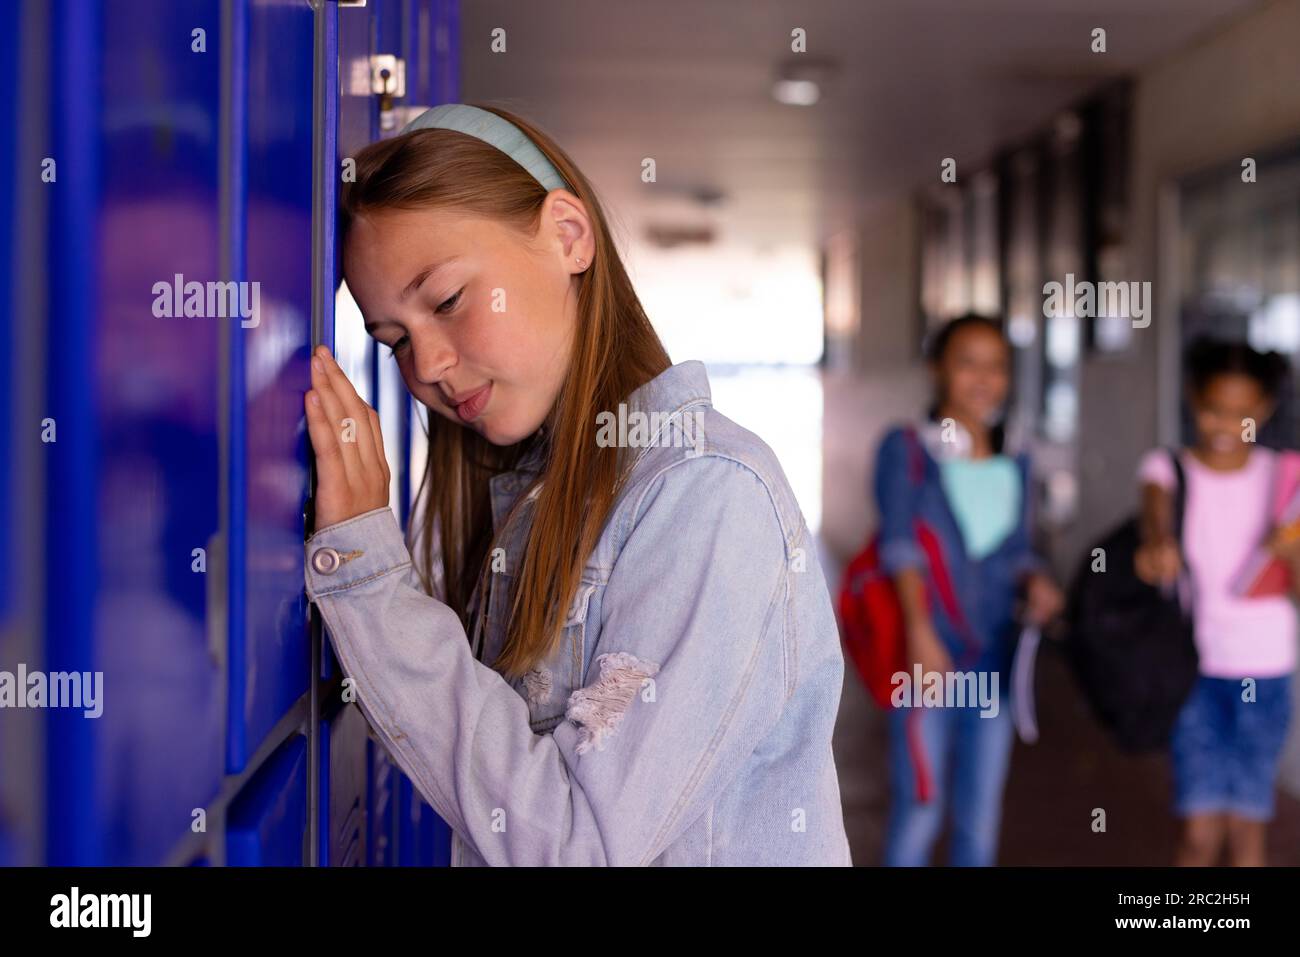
(352, 474)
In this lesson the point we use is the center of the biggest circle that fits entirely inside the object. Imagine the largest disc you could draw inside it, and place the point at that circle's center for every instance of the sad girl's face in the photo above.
(479, 317)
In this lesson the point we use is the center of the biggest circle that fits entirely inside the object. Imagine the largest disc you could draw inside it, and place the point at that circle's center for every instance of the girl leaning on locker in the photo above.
(610, 655)
(956, 474)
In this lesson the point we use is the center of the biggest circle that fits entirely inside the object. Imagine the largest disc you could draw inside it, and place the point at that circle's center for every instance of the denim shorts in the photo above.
(1225, 750)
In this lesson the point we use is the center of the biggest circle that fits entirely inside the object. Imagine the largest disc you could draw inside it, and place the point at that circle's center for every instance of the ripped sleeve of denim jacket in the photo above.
(687, 680)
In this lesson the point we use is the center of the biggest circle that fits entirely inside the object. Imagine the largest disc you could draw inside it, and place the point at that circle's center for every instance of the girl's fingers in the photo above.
(334, 416)
(329, 461)
(354, 408)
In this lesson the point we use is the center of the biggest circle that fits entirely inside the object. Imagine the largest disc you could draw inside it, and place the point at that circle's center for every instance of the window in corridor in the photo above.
(755, 319)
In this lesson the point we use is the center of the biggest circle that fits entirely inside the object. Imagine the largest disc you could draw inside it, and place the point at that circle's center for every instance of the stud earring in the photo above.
(582, 263)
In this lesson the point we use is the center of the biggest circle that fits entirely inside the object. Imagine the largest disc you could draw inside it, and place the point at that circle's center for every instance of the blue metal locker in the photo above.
(267, 822)
(194, 142)
(133, 472)
(19, 112)
(269, 156)
(343, 783)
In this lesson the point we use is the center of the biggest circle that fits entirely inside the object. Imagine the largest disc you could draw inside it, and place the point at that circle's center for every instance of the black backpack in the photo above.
(1129, 644)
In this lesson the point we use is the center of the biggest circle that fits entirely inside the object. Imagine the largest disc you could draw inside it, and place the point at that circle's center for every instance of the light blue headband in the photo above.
(494, 130)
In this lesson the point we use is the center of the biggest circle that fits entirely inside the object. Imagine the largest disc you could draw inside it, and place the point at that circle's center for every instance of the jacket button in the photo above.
(326, 561)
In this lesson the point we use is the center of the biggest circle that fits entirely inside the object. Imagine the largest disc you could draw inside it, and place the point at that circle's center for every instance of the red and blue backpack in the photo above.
(871, 617)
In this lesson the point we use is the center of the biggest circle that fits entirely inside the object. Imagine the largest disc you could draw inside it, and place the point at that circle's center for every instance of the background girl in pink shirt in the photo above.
(1228, 737)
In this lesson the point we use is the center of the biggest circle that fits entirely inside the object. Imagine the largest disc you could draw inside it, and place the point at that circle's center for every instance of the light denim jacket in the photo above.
(686, 716)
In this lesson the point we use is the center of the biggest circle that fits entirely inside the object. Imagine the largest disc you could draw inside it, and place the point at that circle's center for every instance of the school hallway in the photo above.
(1055, 784)
(799, 196)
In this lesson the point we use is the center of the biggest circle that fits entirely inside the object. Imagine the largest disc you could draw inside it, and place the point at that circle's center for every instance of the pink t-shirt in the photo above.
(1228, 515)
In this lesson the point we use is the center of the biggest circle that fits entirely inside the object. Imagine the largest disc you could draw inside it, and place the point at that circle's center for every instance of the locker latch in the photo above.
(388, 82)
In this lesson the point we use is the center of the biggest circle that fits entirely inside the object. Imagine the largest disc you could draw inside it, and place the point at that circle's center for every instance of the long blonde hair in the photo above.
(615, 350)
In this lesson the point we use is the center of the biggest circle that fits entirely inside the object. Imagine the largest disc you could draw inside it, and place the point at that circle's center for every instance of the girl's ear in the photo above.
(570, 224)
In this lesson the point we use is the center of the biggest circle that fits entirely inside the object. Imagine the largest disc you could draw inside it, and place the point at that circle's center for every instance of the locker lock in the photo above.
(388, 82)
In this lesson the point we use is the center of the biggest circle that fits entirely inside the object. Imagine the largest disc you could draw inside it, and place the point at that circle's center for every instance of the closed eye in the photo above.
(444, 308)
(397, 346)
(450, 304)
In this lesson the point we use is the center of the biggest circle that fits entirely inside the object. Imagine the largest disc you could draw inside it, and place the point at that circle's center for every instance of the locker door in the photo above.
(270, 134)
(266, 823)
(131, 390)
(196, 144)
(268, 82)
(423, 838)
(343, 794)
(20, 842)
(183, 135)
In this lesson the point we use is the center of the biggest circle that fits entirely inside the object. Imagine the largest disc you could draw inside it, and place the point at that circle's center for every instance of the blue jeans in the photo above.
(946, 759)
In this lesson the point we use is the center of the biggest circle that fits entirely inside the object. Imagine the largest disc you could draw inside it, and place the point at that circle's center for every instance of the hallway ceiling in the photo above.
(688, 82)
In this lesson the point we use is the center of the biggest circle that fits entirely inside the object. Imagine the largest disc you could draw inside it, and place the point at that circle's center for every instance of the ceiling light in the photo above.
(796, 92)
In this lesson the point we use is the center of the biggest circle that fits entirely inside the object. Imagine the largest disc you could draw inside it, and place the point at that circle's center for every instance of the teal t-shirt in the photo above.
(985, 499)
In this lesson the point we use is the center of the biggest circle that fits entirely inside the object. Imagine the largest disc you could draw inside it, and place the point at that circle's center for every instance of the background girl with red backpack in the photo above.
(954, 537)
